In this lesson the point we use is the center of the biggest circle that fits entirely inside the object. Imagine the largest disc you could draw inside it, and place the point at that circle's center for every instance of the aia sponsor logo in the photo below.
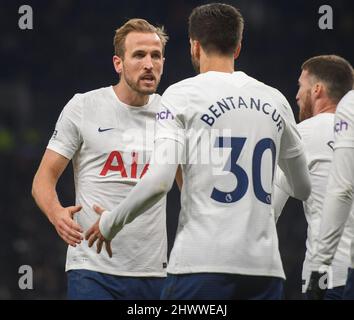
(115, 162)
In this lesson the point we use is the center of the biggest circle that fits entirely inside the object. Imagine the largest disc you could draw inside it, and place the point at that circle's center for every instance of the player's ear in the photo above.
(163, 63)
(195, 48)
(118, 64)
(237, 51)
(317, 90)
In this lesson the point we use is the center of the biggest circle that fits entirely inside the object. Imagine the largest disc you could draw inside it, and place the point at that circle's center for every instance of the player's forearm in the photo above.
(281, 183)
(334, 218)
(279, 200)
(337, 206)
(45, 195)
(153, 186)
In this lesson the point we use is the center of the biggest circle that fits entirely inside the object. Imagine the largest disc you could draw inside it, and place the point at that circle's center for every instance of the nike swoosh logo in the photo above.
(103, 130)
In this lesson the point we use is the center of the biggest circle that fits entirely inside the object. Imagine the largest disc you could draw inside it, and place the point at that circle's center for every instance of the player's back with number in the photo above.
(235, 128)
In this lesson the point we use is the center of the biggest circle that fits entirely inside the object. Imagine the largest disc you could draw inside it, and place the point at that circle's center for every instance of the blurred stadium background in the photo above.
(70, 49)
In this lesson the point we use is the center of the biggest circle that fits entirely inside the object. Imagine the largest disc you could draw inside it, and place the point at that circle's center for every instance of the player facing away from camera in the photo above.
(108, 135)
(338, 202)
(324, 80)
(226, 245)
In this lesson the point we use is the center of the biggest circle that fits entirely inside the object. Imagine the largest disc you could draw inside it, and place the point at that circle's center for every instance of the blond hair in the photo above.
(136, 25)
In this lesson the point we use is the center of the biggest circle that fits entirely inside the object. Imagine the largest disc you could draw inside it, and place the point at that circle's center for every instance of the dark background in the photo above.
(69, 50)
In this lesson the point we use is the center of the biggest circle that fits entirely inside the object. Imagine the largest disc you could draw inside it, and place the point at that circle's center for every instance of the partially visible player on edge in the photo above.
(324, 80)
(107, 134)
(338, 202)
(226, 245)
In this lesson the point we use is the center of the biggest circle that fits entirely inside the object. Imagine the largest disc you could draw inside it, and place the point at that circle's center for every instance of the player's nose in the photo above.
(148, 65)
(297, 97)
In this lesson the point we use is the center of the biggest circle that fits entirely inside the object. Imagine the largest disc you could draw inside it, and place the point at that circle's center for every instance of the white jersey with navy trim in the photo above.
(110, 144)
(233, 129)
(318, 138)
(344, 122)
(340, 192)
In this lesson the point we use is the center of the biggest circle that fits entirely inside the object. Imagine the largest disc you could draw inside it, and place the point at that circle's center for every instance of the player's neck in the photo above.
(324, 106)
(216, 63)
(130, 97)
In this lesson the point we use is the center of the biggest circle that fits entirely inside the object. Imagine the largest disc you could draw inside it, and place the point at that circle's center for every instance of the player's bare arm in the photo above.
(45, 195)
(145, 194)
(94, 234)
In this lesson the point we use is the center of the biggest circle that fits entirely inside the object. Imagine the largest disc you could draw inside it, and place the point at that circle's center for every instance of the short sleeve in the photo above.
(344, 122)
(67, 138)
(170, 122)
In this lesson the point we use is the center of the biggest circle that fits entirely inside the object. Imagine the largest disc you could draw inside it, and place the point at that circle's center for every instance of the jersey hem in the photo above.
(246, 272)
(116, 273)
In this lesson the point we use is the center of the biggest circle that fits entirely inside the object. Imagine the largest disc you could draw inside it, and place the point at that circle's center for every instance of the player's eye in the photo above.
(139, 55)
(156, 56)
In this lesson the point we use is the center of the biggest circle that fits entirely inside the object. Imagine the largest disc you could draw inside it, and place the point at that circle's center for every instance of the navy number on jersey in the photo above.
(236, 145)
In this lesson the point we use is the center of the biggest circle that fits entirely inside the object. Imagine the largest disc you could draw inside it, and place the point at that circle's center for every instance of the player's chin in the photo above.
(148, 89)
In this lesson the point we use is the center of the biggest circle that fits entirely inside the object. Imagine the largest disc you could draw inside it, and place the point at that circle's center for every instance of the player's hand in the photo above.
(94, 234)
(317, 287)
(67, 228)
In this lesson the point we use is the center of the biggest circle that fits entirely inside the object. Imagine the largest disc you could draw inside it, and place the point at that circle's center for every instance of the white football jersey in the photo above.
(318, 139)
(344, 138)
(110, 144)
(344, 122)
(234, 129)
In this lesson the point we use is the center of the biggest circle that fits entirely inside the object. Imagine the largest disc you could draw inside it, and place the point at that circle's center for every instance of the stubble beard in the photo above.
(134, 85)
(306, 111)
